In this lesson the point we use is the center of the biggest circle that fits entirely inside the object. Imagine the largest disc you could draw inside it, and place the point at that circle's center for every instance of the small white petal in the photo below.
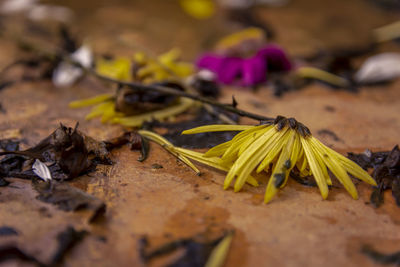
(66, 74)
(379, 68)
(15, 6)
(206, 75)
(84, 56)
(41, 170)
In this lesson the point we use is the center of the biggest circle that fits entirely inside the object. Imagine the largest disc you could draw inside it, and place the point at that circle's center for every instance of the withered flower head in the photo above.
(132, 108)
(145, 69)
(277, 148)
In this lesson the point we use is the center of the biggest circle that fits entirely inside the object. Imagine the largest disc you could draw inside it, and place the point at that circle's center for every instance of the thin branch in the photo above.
(144, 87)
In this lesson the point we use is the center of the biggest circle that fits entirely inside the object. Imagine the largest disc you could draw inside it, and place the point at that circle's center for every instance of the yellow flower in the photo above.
(119, 68)
(278, 148)
(104, 107)
(166, 67)
(199, 9)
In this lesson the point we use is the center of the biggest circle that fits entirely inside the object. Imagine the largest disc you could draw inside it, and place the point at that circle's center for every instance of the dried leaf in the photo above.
(197, 254)
(135, 140)
(69, 198)
(386, 172)
(66, 241)
(11, 251)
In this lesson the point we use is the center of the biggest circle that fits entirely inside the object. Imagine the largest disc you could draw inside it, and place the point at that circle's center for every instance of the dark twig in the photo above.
(142, 87)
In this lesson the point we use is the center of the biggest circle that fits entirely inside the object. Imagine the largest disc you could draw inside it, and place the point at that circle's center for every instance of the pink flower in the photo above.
(246, 71)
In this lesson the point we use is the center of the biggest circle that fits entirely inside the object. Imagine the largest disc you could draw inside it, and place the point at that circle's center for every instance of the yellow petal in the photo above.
(350, 166)
(137, 120)
(295, 152)
(274, 146)
(110, 113)
(240, 144)
(237, 37)
(90, 101)
(219, 253)
(254, 155)
(310, 72)
(302, 162)
(336, 168)
(199, 9)
(217, 128)
(99, 110)
(317, 153)
(315, 169)
(168, 146)
(210, 161)
(282, 167)
(118, 69)
(218, 150)
(252, 136)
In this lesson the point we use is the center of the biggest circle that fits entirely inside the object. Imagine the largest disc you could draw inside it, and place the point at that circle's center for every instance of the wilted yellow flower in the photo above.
(166, 67)
(105, 107)
(278, 148)
(119, 68)
(199, 9)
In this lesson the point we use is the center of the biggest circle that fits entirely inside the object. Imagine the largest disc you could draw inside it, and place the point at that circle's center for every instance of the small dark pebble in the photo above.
(330, 108)
(156, 166)
(102, 239)
(3, 182)
(7, 231)
(326, 132)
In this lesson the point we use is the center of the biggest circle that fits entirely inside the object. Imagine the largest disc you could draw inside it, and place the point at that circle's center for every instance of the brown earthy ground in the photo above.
(296, 229)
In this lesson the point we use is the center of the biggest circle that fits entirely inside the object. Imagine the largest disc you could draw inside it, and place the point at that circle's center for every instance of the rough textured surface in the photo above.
(296, 229)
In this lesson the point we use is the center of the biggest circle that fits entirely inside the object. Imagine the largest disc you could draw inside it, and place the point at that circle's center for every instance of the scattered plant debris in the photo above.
(69, 198)
(3, 182)
(386, 165)
(329, 133)
(68, 152)
(134, 140)
(381, 258)
(196, 253)
(203, 140)
(67, 239)
(8, 252)
(306, 181)
(156, 166)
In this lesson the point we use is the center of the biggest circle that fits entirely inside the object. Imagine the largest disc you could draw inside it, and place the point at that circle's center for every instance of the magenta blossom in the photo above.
(246, 71)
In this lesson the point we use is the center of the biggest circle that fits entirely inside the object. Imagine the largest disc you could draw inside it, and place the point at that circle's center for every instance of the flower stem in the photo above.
(139, 86)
